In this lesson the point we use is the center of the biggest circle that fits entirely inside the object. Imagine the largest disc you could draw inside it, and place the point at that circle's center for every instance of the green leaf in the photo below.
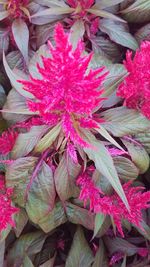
(108, 137)
(143, 33)
(119, 33)
(99, 220)
(64, 177)
(77, 31)
(126, 169)
(26, 141)
(18, 175)
(138, 11)
(21, 220)
(53, 219)
(81, 216)
(27, 245)
(49, 263)
(27, 262)
(48, 139)
(80, 254)
(4, 41)
(131, 121)
(21, 36)
(104, 14)
(3, 15)
(41, 194)
(144, 139)
(104, 164)
(15, 104)
(33, 186)
(100, 257)
(106, 3)
(53, 11)
(138, 154)
(2, 252)
(14, 78)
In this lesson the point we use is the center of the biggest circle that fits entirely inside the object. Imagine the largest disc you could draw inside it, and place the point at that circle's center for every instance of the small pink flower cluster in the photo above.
(135, 90)
(15, 7)
(6, 209)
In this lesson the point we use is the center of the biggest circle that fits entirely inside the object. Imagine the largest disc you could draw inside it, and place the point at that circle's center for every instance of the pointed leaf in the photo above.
(104, 164)
(104, 14)
(14, 78)
(81, 216)
(48, 139)
(76, 32)
(143, 33)
(138, 154)
(126, 169)
(80, 254)
(27, 262)
(28, 244)
(21, 220)
(118, 32)
(53, 11)
(3, 15)
(21, 36)
(100, 257)
(26, 141)
(64, 177)
(106, 3)
(53, 219)
(99, 219)
(132, 122)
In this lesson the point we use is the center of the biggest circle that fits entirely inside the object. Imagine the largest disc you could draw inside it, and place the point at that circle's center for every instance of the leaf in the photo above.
(76, 32)
(53, 11)
(33, 186)
(104, 14)
(118, 32)
(27, 245)
(137, 12)
(21, 36)
(41, 194)
(21, 220)
(106, 3)
(26, 141)
(81, 216)
(48, 139)
(27, 262)
(2, 252)
(126, 169)
(3, 15)
(108, 137)
(132, 122)
(2, 96)
(118, 244)
(18, 175)
(100, 257)
(143, 34)
(144, 139)
(49, 263)
(14, 78)
(104, 164)
(99, 220)
(64, 177)
(53, 219)
(4, 41)
(80, 254)
(51, 3)
(138, 154)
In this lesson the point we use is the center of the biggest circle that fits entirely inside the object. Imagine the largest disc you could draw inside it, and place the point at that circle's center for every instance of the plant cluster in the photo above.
(74, 133)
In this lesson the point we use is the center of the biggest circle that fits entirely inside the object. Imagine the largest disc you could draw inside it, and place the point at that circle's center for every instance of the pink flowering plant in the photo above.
(74, 133)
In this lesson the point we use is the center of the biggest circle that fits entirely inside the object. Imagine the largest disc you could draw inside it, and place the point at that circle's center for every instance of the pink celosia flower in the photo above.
(67, 92)
(136, 87)
(15, 7)
(84, 4)
(7, 141)
(113, 205)
(6, 209)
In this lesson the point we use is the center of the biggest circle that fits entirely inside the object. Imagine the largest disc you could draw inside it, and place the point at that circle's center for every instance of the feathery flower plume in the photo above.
(135, 90)
(7, 141)
(113, 205)
(67, 92)
(6, 209)
(16, 7)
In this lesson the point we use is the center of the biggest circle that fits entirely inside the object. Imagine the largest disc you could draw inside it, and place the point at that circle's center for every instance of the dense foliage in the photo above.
(74, 133)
